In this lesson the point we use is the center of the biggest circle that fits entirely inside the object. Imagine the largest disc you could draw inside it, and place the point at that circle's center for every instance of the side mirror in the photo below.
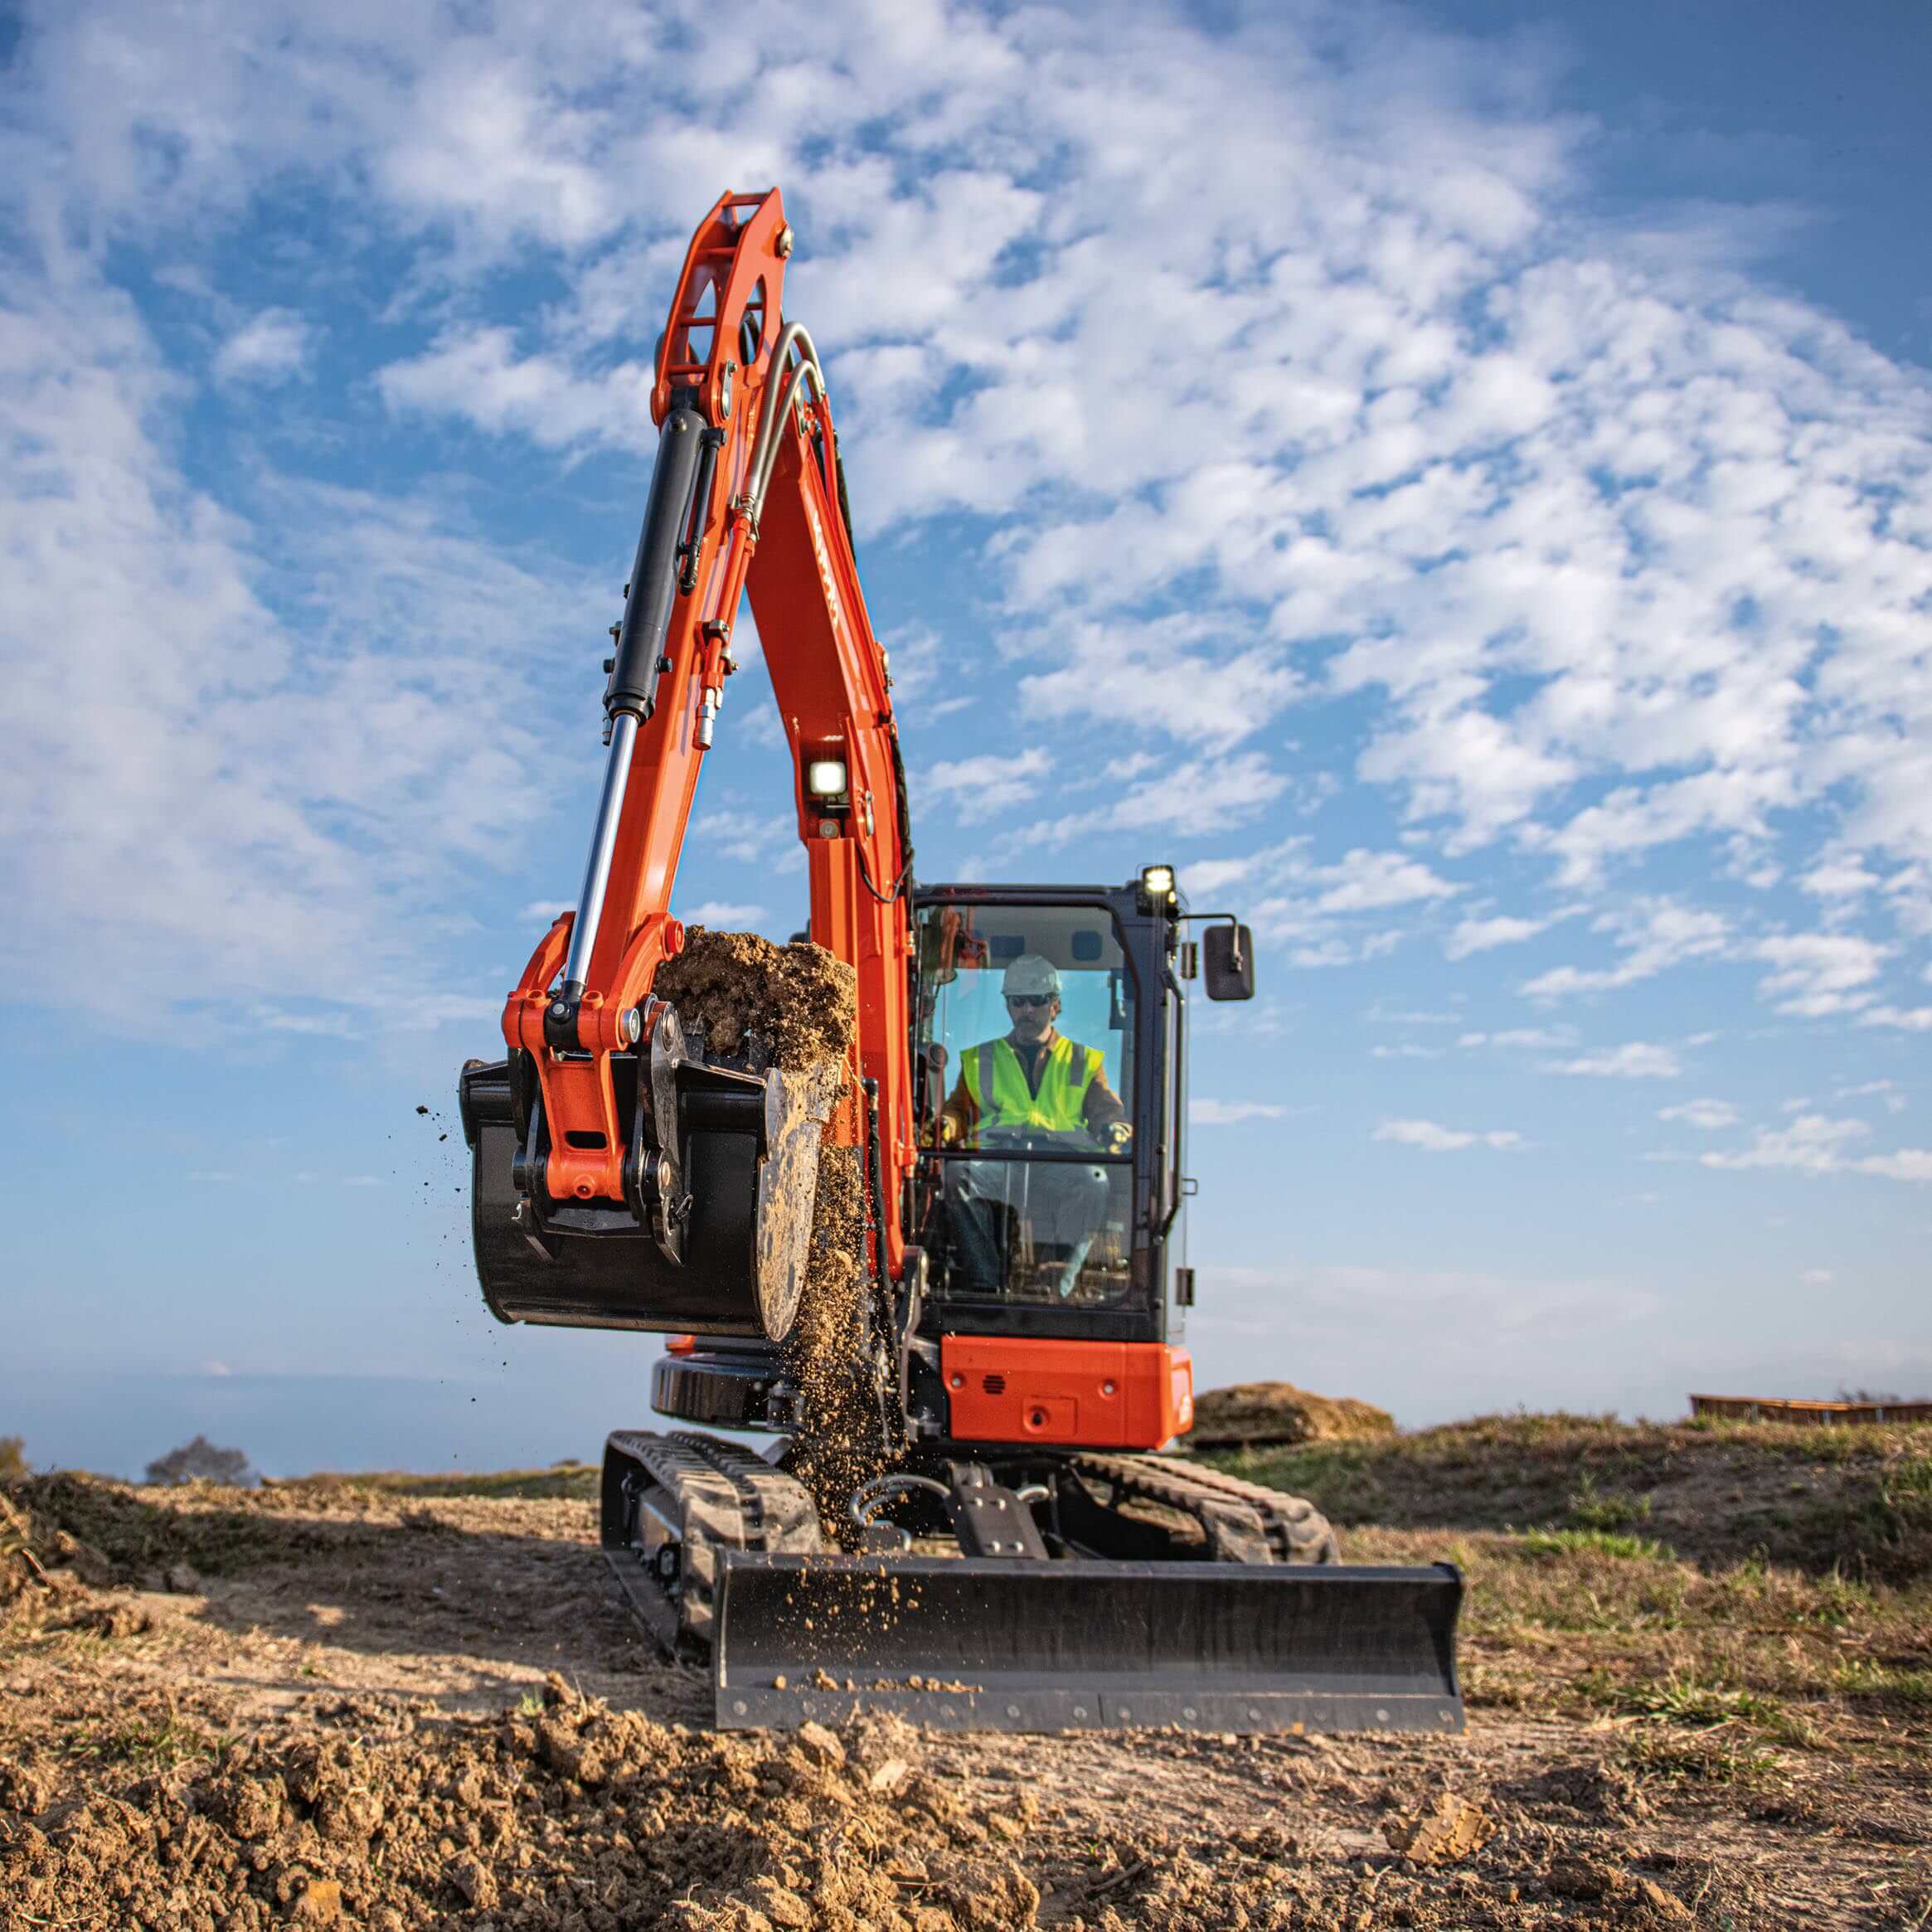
(1227, 962)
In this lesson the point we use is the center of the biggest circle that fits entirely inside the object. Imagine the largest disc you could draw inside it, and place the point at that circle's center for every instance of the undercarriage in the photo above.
(1022, 1591)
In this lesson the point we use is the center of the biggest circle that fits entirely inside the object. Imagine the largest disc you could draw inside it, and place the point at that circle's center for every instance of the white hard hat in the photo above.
(1029, 973)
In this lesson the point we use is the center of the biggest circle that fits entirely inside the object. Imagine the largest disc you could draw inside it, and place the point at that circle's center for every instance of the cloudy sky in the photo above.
(1452, 479)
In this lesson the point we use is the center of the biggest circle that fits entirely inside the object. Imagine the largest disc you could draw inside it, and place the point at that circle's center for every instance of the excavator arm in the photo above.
(746, 497)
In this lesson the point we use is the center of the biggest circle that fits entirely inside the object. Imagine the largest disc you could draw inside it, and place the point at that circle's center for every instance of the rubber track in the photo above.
(726, 1497)
(1245, 1522)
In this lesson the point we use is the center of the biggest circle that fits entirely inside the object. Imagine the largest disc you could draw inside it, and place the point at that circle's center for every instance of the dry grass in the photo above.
(1857, 1501)
(1724, 1595)
(571, 1481)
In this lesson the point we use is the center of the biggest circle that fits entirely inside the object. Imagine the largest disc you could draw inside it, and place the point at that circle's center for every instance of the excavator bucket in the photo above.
(748, 1144)
(977, 1643)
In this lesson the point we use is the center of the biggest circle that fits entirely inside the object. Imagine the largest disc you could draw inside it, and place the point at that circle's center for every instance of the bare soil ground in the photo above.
(1699, 1666)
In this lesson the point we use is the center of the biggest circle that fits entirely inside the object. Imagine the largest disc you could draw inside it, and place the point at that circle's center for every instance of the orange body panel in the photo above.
(1086, 1394)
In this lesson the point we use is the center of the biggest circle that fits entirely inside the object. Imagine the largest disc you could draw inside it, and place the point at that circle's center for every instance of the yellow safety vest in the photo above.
(1059, 1107)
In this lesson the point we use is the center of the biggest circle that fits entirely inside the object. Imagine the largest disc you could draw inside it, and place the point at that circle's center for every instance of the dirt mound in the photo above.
(562, 1813)
(800, 998)
(1257, 1414)
(130, 1535)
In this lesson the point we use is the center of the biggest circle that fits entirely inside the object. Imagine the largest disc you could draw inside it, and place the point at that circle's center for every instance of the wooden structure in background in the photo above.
(1784, 1409)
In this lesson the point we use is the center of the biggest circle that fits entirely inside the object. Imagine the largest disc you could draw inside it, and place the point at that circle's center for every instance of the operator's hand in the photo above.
(948, 1130)
(1117, 1137)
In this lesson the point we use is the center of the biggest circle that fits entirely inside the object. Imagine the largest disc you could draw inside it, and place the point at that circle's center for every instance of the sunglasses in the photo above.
(1029, 999)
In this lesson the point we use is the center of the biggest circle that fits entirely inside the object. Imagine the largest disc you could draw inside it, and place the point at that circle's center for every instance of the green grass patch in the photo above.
(1594, 1543)
(1594, 1509)
(153, 1743)
(572, 1482)
(1908, 1685)
(1677, 1757)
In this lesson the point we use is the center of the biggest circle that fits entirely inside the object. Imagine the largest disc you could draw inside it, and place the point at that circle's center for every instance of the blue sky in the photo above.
(1453, 479)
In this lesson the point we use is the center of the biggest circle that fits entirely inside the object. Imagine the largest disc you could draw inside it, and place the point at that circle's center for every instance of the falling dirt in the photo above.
(839, 1446)
(802, 1001)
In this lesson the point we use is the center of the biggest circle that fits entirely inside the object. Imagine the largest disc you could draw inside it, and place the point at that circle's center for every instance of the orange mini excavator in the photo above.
(1022, 1555)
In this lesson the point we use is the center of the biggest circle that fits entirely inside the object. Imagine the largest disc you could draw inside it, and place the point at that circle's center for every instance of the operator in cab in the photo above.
(1033, 1091)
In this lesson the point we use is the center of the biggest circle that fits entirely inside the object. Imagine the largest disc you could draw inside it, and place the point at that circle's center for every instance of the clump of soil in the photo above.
(802, 1000)
(562, 1813)
(1257, 1414)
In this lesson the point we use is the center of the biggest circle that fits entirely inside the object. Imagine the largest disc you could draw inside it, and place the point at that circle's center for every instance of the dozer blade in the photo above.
(966, 1643)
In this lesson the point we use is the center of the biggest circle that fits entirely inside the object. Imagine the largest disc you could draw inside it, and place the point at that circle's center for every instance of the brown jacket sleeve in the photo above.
(958, 1112)
(1102, 1105)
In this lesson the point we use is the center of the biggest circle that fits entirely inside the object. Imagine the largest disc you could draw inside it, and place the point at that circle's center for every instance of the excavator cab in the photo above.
(1025, 1064)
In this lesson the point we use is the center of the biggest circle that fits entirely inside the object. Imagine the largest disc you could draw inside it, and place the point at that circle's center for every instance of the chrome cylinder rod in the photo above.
(623, 737)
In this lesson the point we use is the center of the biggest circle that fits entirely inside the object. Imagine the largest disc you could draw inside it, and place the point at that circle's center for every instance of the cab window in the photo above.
(1026, 1090)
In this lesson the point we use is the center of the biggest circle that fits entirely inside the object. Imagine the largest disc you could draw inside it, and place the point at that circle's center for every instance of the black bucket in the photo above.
(749, 1149)
(984, 1644)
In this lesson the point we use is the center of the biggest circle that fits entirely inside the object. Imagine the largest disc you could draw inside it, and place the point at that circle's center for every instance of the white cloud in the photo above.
(723, 915)
(1113, 670)
(336, 766)
(1635, 1060)
(1815, 1277)
(1708, 1114)
(1543, 1037)
(1888, 1091)
(1437, 1139)
(1907, 1019)
(987, 786)
(1812, 1143)
(1206, 1113)
(270, 347)
(478, 373)
(1626, 549)
(1907, 1163)
(1482, 936)
(1363, 880)
(1198, 798)
(1818, 972)
(1655, 933)
(1839, 875)
(1407, 1051)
